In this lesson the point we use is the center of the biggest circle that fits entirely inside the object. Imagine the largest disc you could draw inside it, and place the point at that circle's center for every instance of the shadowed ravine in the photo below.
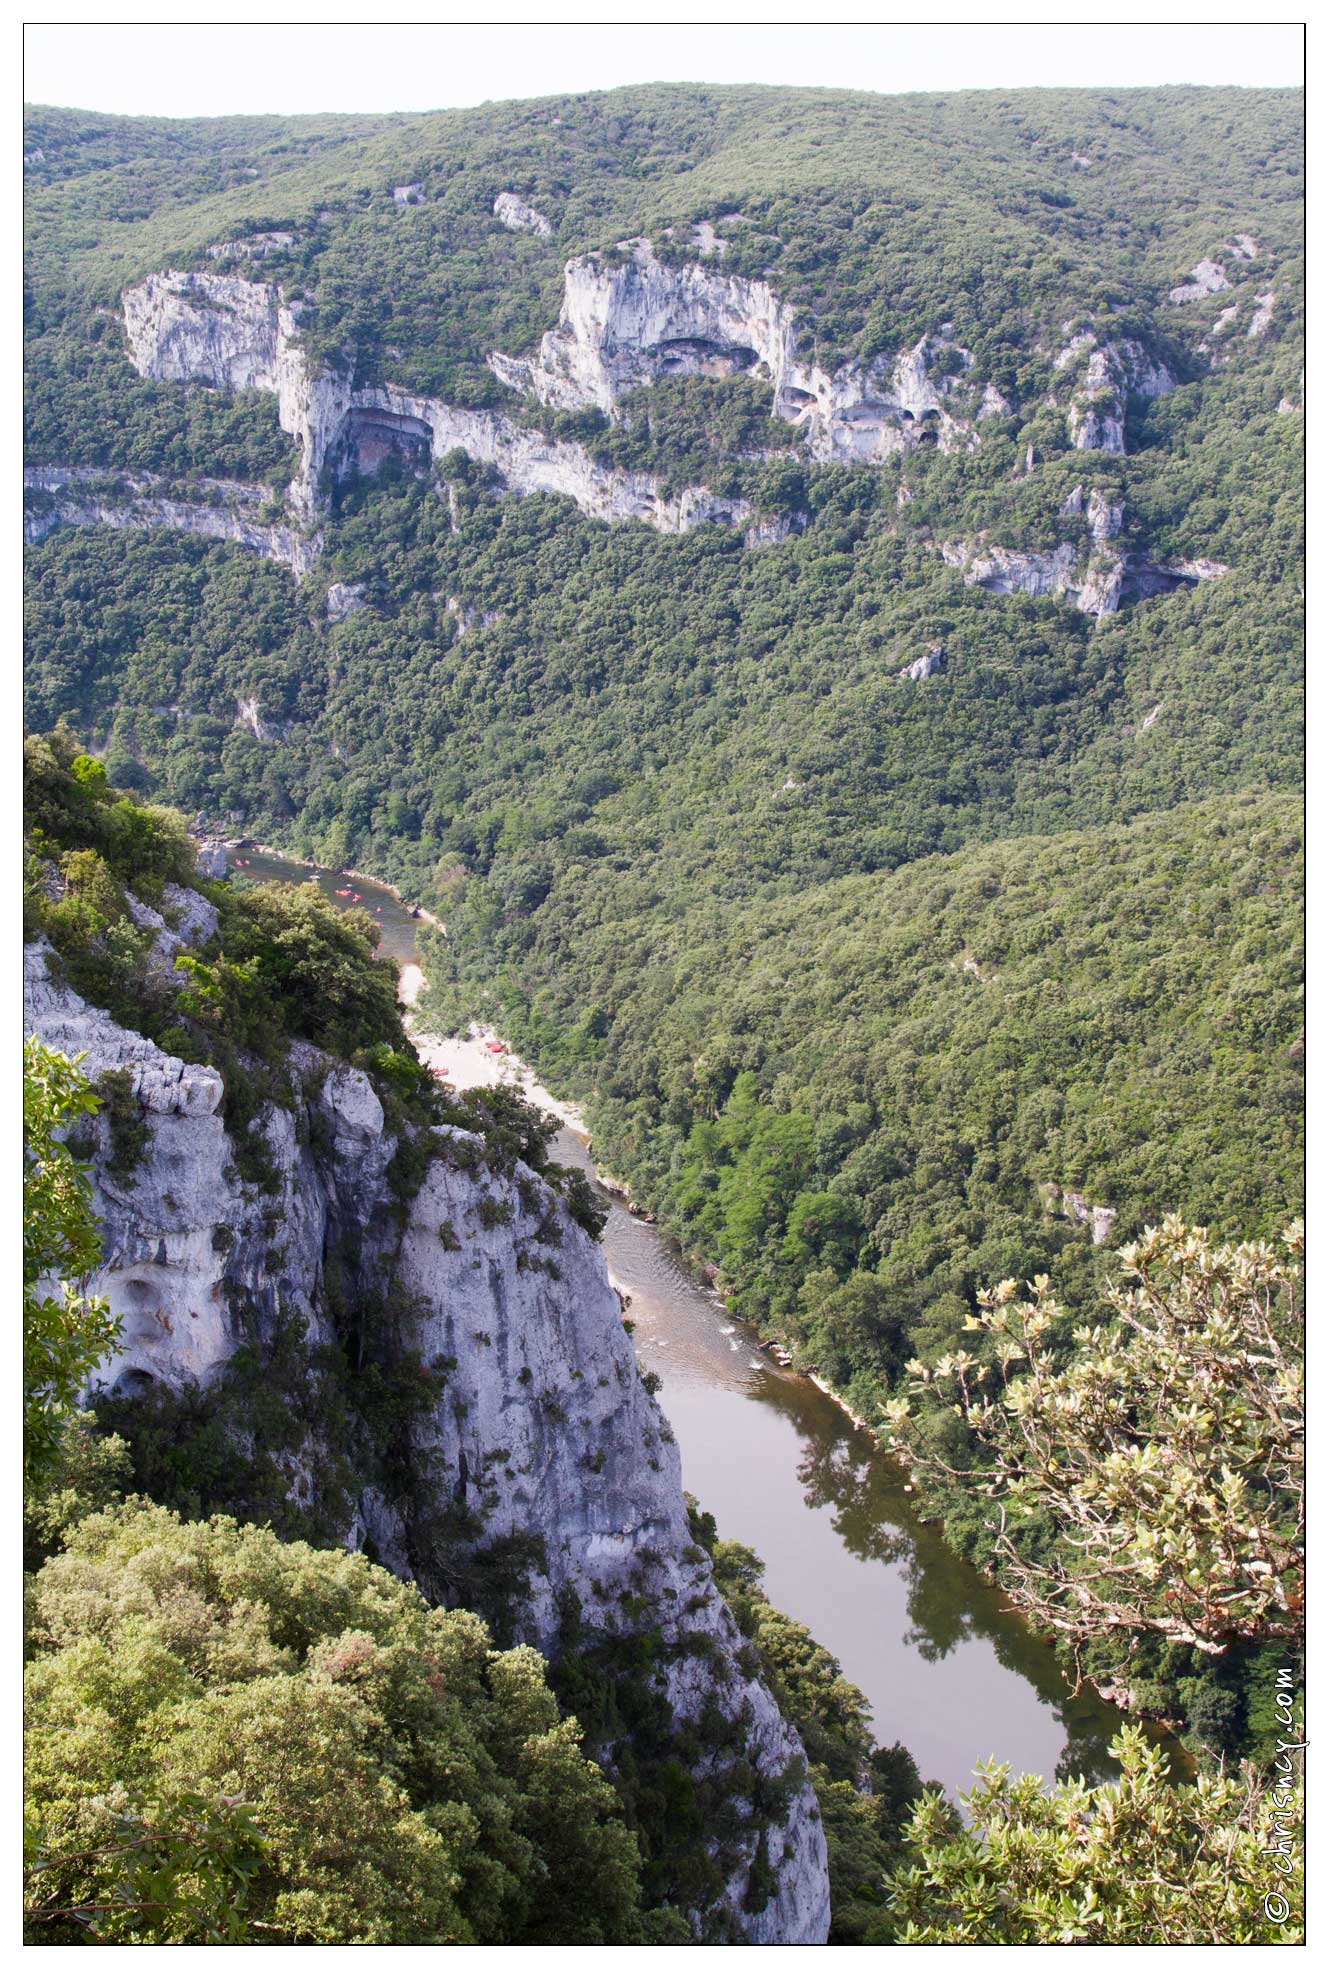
(947, 1669)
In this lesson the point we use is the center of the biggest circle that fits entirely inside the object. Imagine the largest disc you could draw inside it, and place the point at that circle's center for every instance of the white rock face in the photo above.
(469, 620)
(1264, 314)
(518, 216)
(623, 326)
(259, 246)
(211, 860)
(708, 241)
(186, 327)
(545, 1430)
(924, 666)
(1007, 571)
(1206, 277)
(344, 598)
(1112, 372)
(226, 513)
(408, 194)
(1098, 586)
(1104, 518)
(161, 1083)
(249, 715)
(193, 921)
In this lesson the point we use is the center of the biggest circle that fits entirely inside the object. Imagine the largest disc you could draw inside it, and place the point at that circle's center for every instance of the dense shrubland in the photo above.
(402, 1780)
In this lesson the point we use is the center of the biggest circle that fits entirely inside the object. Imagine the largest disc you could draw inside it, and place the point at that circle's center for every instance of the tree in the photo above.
(1139, 1861)
(411, 1782)
(178, 1872)
(1166, 1447)
(65, 1332)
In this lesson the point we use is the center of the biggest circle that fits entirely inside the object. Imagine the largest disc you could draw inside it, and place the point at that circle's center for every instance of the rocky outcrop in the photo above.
(1111, 373)
(1096, 584)
(1098, 1216)
(468, 620)
(210, 860)
(544, 1435)
(628, 320)
(71, 496)
(229, 333)
(345, 598)
(249, 716)
(1205, 277)
(518, 216)
(259, 246)
(1263, 315)
(924, 666)
(159, 1082)
(1011, 571)
(408, 194)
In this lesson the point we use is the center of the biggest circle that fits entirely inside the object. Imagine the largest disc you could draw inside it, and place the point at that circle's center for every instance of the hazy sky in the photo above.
(184, 70)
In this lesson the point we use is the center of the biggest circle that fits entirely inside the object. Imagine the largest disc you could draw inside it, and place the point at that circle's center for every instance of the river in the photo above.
(946, 1667)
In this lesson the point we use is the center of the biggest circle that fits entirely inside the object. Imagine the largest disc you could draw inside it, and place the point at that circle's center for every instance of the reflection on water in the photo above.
(394, 920)
(947, 1669)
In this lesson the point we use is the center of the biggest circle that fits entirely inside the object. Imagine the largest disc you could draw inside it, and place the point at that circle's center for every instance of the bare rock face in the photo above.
(1098, 1216)
(518, 216)
(1098, 585)
(1264, 314)
(161, 1083)
(210, 860)
(136, 502)
(1205, 277)
(545, 1433)
(190, 920)
(259, 246)
(217, 329)
(185, 327)
(924, 666)
(344, 598)
(1111, 372)
(623, 325)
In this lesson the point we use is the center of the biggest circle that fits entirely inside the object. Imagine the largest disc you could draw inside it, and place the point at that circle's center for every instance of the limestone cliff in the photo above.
(223, 510)
(544, 1432)
(626, 322)
(229, 333)
(1097, 582)
(1106, 374)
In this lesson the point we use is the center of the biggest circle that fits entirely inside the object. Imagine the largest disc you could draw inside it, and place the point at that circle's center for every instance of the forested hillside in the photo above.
(902, 859)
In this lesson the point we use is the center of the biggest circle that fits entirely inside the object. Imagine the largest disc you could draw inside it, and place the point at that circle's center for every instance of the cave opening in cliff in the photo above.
(371, 440)
(1140, 584)
(688, 355)
(134, 1382)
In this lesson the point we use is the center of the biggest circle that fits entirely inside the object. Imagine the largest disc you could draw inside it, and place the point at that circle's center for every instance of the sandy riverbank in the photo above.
(469, 1063)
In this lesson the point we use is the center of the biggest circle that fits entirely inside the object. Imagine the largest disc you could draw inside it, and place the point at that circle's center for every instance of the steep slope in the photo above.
(398, 1335)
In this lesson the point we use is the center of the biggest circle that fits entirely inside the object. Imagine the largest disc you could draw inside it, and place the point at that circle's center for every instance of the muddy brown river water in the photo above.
(947, 1669)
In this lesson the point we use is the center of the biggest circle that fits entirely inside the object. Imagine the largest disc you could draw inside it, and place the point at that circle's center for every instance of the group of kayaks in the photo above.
(353, 895)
